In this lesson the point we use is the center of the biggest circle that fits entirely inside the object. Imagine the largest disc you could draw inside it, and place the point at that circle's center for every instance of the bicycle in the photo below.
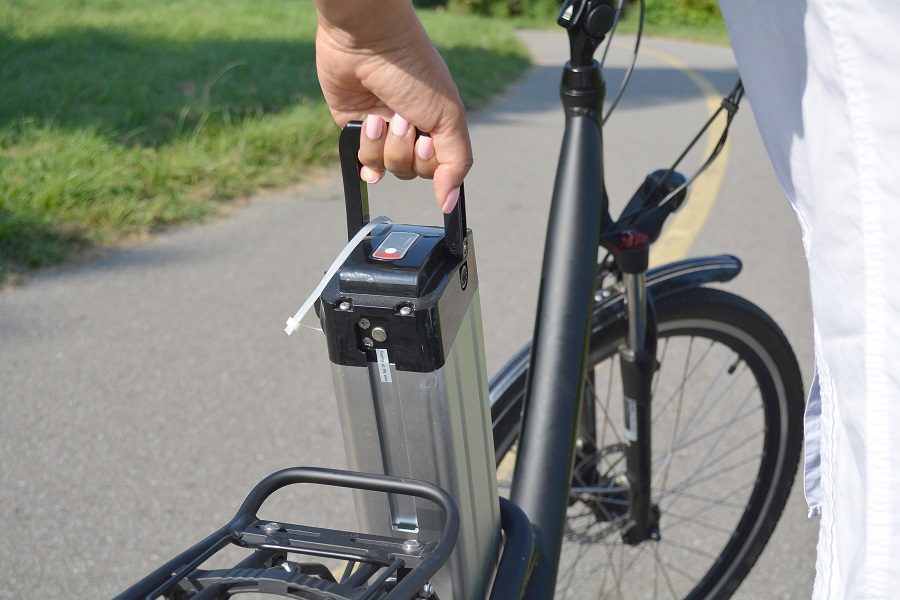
(631, 476)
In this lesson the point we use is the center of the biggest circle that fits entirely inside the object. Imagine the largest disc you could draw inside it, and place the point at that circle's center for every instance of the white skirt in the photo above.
(823, 78)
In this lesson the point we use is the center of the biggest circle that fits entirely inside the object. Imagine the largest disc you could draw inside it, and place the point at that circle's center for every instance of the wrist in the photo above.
(366, 24)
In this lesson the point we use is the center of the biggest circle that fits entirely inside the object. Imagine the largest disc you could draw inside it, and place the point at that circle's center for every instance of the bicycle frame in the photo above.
(556, 379)
(579, 224)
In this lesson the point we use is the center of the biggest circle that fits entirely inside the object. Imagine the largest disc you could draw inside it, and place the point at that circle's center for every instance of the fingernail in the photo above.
(399, 126)
(374, 127)
(369, 176)
(450, 202)
(425, 148)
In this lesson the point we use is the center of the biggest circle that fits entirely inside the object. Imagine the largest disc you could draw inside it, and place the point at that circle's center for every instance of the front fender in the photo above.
(507, 386)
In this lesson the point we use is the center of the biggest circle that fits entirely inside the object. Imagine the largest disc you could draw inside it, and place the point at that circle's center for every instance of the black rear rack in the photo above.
(385, 568)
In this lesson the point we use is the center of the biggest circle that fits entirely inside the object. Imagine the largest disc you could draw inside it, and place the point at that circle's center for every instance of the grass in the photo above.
(118, 118)
(676, 19)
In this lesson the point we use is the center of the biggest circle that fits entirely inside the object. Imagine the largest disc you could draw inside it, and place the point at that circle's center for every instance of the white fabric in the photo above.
(823, 79)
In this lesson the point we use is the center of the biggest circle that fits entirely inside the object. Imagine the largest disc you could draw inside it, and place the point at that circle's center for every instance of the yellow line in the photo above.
(685, 226)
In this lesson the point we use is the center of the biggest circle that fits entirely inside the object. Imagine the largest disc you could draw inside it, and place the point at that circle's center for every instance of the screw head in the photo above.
(271, 528)
(379, 334)
(364, 324)
(405, 311)
(368, 343)
(427, 590)
(345, 305)
(412, 545)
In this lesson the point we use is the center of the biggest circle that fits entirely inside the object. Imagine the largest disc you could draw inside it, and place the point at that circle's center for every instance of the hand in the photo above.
(377, 64)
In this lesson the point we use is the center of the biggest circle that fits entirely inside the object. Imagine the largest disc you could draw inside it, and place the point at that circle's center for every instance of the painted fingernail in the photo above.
(425, 148)
(374, 127)
(369, 176)
(450, 202)
(399, 126)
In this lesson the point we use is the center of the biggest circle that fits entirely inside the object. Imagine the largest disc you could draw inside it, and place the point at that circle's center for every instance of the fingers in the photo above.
(371, 149)
(396, 147)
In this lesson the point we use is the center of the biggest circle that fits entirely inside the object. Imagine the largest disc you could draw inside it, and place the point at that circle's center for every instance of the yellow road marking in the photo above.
(683, 229)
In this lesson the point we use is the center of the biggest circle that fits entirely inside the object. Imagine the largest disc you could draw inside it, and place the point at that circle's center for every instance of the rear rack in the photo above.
(386, 568)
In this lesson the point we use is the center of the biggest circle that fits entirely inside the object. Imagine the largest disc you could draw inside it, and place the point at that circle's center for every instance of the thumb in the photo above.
(453, 151)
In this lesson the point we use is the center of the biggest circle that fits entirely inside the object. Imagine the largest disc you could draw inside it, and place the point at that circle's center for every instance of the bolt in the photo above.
(405, 311)
(345, 305)
(411, 546)
(364, 323)
(427, 590)
(379, 334)
(368, 343)
(271, 528)
(291, 567)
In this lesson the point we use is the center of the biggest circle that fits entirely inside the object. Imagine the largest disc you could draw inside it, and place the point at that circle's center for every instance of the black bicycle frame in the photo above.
(556, 381)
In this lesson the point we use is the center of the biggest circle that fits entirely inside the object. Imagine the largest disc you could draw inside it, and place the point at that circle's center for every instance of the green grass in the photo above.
(693, 20)
(118, 118)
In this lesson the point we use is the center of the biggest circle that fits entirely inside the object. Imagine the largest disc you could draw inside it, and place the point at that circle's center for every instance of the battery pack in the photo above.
(403, 324)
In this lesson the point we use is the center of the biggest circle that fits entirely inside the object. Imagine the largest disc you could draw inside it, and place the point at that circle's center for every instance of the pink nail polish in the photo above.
(369, 176)
(399, 126)
(425, 148)
(450, 202)
(374, 127)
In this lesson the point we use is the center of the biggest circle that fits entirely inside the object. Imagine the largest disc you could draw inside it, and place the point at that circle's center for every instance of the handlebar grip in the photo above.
(356, 195)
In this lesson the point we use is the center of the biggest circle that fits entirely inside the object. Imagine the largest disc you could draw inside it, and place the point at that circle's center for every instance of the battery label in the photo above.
(395, 245)
(384, 365)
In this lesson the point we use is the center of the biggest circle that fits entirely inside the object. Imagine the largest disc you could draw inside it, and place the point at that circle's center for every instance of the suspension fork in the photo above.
(637, 359)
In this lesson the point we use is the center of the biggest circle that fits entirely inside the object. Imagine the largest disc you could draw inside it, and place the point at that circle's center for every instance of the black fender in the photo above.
(507, 386)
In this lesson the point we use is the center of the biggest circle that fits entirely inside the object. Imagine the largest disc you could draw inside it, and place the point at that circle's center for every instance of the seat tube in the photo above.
(556, 377)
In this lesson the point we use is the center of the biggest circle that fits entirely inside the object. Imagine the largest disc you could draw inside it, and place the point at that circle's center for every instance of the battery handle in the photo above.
(356, 196)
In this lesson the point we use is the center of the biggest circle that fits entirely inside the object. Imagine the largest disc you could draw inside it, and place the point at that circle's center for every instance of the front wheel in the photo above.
(726, 436)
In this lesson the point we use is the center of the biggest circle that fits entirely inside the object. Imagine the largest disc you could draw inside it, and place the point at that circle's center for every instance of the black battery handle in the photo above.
(356, 195)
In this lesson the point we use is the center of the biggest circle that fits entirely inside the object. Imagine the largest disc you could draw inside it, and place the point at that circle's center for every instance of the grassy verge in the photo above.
(697, 21)
(119, 118)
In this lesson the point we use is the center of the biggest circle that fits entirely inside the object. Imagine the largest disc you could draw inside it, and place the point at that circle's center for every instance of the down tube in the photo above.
(556, 378)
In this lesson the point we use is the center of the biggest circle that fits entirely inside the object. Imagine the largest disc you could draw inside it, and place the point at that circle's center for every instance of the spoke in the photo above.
(670, 567)
(687, 374)
(661, 567)
(691, 549)
(676, 520)
(717, 501)
(670, 524)
(668, 461)
(724, 426)
(708, 429)
(711, 452)
(718, 400)
(690, 483)
(702, 410)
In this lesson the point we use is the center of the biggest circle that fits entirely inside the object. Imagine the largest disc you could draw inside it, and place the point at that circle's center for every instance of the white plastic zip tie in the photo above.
(293, 323)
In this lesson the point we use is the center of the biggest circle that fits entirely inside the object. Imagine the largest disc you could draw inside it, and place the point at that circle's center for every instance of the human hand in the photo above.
(377, 64)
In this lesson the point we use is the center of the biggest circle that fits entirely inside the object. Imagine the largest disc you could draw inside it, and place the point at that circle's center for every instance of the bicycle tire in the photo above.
(745, 410)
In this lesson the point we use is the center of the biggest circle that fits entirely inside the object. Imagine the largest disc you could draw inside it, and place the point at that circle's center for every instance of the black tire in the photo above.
(727, 432)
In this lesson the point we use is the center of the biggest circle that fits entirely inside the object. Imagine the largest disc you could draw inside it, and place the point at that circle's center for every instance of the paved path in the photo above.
(144, 393)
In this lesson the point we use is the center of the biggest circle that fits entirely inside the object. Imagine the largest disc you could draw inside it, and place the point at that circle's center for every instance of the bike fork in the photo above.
(637, 359)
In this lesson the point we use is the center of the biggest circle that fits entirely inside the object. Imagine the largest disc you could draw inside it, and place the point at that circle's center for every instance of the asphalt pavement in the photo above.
(143, 393)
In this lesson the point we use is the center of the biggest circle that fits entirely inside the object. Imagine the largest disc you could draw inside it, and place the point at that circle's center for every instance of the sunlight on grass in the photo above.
(119, 118)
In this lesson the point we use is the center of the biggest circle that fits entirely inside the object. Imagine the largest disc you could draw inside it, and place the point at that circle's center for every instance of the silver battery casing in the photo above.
(427, 423)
